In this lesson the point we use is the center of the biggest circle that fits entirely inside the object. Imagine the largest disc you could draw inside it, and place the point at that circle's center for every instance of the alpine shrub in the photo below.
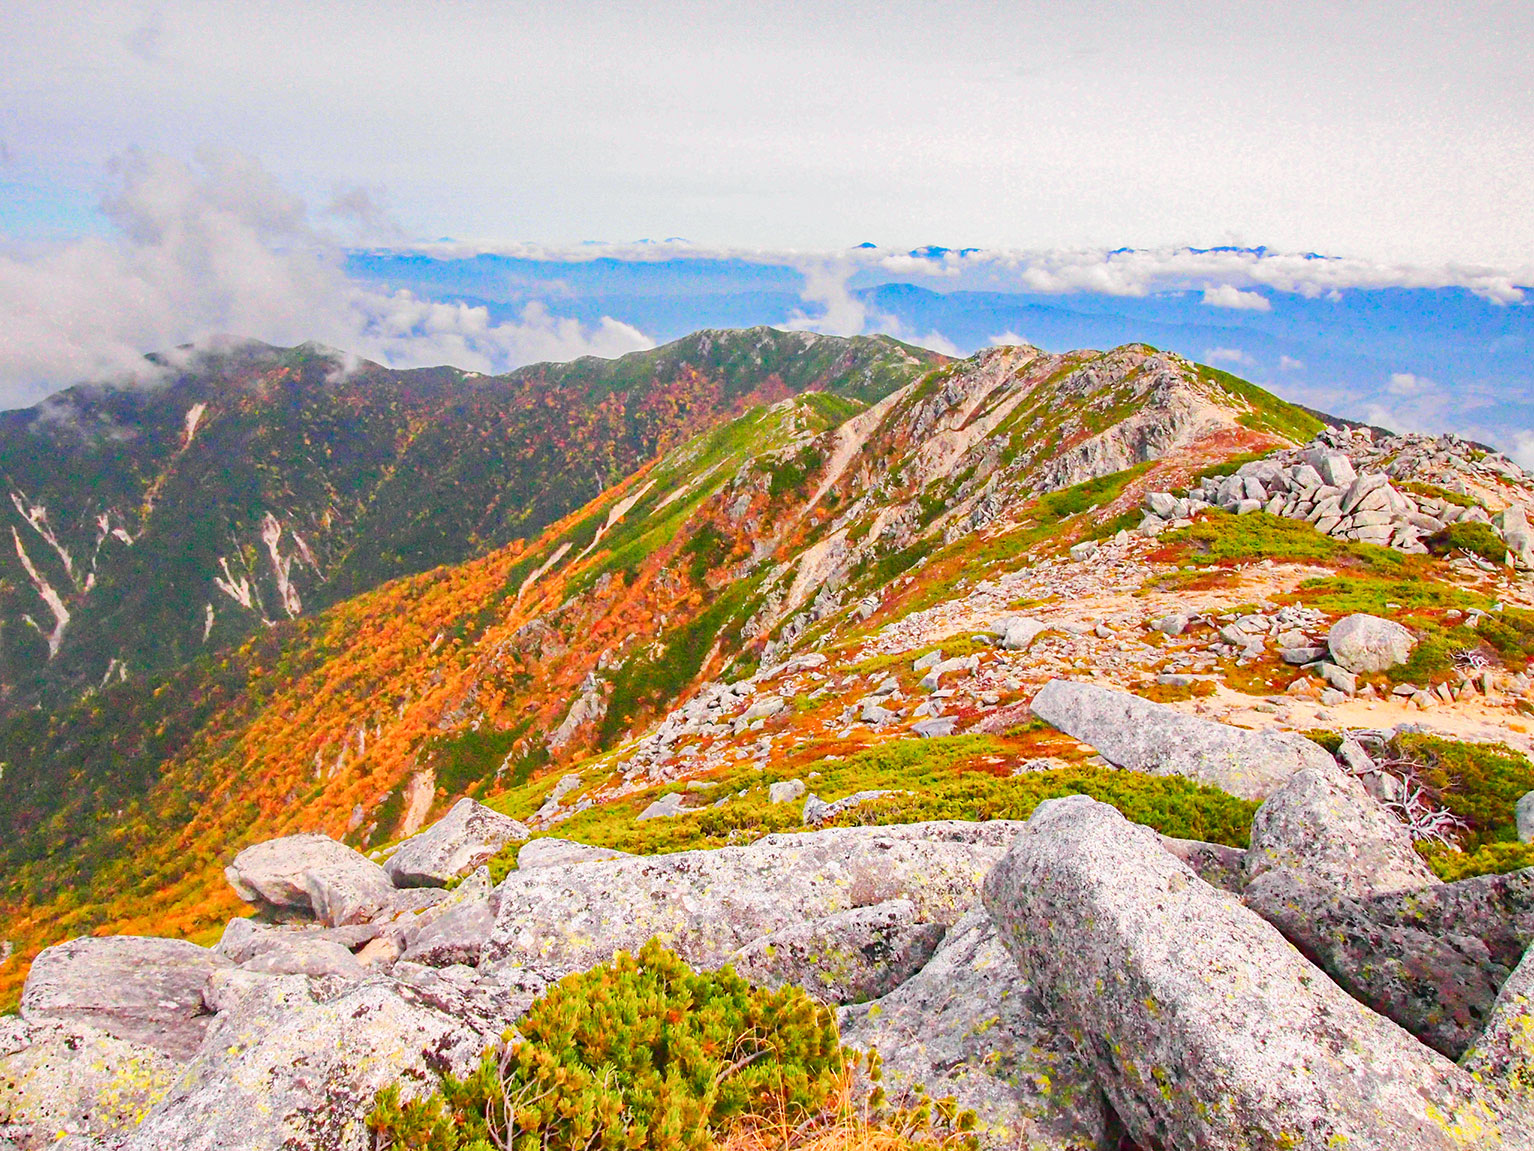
(639, 1052)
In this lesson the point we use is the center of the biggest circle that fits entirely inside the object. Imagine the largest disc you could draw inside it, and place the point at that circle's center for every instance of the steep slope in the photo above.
(247, 484)
(799, 525)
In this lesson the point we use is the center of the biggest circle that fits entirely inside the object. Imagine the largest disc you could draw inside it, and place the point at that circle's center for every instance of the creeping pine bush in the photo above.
(637, 1053)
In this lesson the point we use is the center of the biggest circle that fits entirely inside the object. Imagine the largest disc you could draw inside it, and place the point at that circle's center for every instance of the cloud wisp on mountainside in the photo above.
(224, 248)
(195, 251)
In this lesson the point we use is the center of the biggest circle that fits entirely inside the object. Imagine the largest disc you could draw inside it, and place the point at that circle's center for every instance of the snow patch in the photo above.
(236, 589)
(619, 510)
(558, 555)
(193, 416)
(37, 516)
(50, 597)
(271, 534)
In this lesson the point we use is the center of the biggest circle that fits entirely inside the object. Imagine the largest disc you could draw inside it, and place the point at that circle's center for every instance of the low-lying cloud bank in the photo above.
(224, 248)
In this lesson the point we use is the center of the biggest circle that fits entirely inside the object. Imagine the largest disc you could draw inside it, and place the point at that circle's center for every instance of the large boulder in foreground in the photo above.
(968, 1025)
(705, 905)
(1205, 1028)
(463, 839)
(290, 1072)
(1503, 1054)
(1140, 735)
(67, 1077)
(1366, 643)
(844, 958)
(136, 988)
(311, 874)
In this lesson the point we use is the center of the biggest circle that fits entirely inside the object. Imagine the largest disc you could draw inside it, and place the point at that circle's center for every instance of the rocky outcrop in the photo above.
(1322, 823)
(58, 1078)
(1503, 1055)
(468, 835)
(314, 875)
(1140, 735)
(968, 1025)
(708, 904)
(844, 958)
(289, 1071)
(144, 990)
(1365, 643)
(1200, 1022)
(552, 852)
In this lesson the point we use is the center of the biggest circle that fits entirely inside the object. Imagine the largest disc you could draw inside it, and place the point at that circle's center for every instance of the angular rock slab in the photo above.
(312, 873)
(1205, 1028)
(1323, 823)
(1367, 643)
(1503, 1054)
(455, 845)
(66, 1077)
(301, 1074)
(843, 958)
(707, 904)
(133, 987)
(552, 852)
(969, 1026)
(1140, 735)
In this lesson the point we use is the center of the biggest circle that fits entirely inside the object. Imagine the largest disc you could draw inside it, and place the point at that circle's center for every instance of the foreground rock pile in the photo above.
(1350, 486)
(1077, 980)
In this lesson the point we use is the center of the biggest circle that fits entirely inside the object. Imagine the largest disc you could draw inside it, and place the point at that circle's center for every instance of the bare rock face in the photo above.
(291, 1072)
(968, 1025)
(66, 1077)
(455, 845)
(1366, 643)
(291, 954)
(1140, 735)
(456, 936)
(553, 852)
(852, 955)
(707, 904)
(1203, 1026)
(143, 990)
(1322, 823)
(1503, 1054)
(311, 874)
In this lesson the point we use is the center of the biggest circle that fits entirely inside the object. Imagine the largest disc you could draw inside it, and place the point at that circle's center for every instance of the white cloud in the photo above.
(224, 248)
(1227, 276)
(1522, 450)
(1226, 356)
(1009, 337)
(1230, 296)
(1290, 364)
(1406, 384)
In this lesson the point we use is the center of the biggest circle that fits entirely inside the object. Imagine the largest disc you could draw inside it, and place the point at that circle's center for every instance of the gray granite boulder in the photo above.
(1523, 813)
(66, 1077)
(968, 1025)
(295, 954)
(553, 852)
(1503, 1054)
(1322, 822)
(314, 874)
(136, 988)
(1140, 735)
(463, 839)
(708, 904)
(1202, 1024)
(1367, 643)
(291, 1072)
(456, 936)
(844, 958)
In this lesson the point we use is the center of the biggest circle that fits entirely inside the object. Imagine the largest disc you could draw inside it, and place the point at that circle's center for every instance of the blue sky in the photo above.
(469, 182)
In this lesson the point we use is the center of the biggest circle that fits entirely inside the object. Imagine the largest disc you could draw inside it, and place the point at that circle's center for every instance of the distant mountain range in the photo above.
(144, 526)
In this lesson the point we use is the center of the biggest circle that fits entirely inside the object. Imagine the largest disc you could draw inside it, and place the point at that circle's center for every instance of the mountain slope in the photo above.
(798, 525)
(249, 484)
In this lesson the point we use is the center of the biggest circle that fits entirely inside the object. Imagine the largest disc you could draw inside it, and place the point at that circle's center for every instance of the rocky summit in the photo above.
(1076, 752)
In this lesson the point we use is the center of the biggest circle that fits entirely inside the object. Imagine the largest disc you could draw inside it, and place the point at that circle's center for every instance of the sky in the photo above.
(170, 170)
